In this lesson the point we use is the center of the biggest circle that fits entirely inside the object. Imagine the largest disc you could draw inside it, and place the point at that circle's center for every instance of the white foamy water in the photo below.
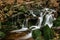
(20, 30)
(27, 36)
(48, 21)
(49, 17)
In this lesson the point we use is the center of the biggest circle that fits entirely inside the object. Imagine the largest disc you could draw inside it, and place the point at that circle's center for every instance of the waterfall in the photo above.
(47, 13)
(49, 18)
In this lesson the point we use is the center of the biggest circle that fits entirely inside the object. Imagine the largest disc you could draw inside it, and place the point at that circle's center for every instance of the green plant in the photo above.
(57, 22)
(37, 34)
(48, 33)
(2, 34)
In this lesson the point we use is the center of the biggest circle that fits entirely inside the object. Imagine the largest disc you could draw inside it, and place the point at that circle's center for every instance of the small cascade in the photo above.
(20, 30)
(47, 13)
(40, 19)
(49, 17)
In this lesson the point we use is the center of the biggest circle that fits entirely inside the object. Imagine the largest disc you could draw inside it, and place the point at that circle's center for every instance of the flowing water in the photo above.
(47, 13)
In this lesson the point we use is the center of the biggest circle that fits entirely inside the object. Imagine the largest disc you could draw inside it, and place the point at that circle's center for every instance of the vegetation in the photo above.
(12, 17)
